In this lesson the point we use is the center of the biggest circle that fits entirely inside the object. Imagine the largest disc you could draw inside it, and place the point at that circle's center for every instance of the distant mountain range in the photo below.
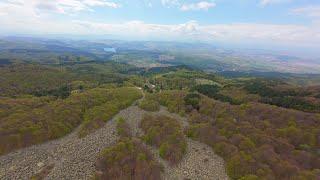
(148, 53)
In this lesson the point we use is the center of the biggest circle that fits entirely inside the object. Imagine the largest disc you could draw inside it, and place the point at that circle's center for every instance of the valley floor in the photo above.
(74, 158)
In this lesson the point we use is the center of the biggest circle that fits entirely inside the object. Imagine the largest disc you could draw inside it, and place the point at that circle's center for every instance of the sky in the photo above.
(293, 24)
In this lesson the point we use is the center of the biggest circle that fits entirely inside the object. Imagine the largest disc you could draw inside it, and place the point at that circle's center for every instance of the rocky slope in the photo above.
(74, 158)
(200, 162)
(71, 157)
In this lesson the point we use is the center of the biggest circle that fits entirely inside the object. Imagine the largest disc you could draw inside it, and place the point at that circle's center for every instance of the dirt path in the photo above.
(200, 162)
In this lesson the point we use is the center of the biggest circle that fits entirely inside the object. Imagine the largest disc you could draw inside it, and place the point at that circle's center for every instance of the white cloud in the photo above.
(170, 3)
(101, 3)
(234, 33)
(309, 11)
(67, 6)
(268, 2)
(200, 5)
(20, 16)
(57, 6)
(3, 13)
(203, 5)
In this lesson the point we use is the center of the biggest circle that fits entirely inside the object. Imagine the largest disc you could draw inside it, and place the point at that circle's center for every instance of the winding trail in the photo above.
(74, 158)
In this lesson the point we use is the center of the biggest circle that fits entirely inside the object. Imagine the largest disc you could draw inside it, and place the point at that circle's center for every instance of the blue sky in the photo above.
(261, 23)
(219, 11)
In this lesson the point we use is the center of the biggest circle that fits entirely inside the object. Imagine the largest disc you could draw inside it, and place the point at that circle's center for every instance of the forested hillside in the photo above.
(159, 90)
(263, 127)
(41, 102)
(257, 140)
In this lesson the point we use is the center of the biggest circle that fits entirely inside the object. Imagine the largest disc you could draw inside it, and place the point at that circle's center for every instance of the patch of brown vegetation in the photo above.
(258, 140)
(165, 133)
(128, 159)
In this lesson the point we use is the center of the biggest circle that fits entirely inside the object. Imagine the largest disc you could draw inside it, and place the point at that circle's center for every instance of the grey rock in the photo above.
(74, 158)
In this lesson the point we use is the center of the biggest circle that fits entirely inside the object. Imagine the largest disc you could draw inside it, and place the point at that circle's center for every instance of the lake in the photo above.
(113, 50)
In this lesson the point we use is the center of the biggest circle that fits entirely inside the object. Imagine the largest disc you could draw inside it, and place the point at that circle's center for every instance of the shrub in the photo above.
(225, 150)
(308, 175)
(285, 170)
(173, 100)
(118, 99)
(212, 91)
(240, 165)
(205, 133)
(249, 177)
(247, 145)
(193, 100)
(165, 133)
(128, 159)
(163, 150)
(123, 128)
(149, 105)
(196, 118)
